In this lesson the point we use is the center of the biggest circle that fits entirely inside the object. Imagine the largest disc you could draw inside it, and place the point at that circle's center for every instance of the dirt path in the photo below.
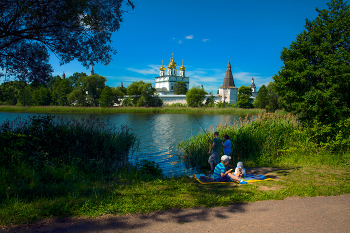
(310, 214)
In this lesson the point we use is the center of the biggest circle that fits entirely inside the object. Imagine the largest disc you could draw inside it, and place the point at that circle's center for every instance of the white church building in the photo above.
(166, 81)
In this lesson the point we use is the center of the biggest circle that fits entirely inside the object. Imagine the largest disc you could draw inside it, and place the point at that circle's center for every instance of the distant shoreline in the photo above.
(168, 110)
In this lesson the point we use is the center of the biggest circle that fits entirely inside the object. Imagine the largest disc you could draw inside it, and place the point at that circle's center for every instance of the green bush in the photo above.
(39, 152)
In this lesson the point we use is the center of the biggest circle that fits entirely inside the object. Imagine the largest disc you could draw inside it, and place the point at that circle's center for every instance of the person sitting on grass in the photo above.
(240, 171)
(220, 173)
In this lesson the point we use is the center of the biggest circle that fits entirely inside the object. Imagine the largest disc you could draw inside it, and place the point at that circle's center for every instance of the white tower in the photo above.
(182, 70)
(252, 85)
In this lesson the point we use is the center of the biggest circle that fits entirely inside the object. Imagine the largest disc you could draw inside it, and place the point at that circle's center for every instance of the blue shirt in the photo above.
(220, 168)
(227, 147)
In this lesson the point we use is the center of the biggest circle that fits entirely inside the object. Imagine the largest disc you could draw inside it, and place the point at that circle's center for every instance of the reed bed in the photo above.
(268, 140)
(40, 154)
(169, 110)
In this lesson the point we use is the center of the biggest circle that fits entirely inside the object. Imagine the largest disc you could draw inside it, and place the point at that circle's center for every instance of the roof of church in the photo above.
(228, 80)
(252, 84)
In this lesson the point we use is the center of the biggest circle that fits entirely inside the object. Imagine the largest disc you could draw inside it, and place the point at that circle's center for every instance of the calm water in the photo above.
(158, 133)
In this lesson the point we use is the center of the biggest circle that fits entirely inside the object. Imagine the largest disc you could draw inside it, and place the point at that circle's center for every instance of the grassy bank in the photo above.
(96, 110)
(299, 167)
(125, 194)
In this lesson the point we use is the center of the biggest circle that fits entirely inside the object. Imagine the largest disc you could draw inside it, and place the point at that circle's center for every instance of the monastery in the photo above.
(164, 85)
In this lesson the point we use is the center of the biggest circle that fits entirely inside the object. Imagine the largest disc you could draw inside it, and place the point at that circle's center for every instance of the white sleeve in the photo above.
(236, 170)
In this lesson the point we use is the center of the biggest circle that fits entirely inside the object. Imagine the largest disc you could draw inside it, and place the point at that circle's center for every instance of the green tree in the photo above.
(92, 86)
(9, 92)
(72, 30)
(195, 97)
(24, 97)
(273, 98)
(122, 89)
(41, 96)
(210, 102)
(143, 94)
(106, 98)
(61, 89)
(180, 88)
(243, 99)
(110, 96)
(77, 97)
(74, 78)
(315, 78)
(261, 99)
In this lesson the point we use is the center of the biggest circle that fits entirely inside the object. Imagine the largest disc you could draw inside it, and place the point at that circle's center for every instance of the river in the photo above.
(158, 133)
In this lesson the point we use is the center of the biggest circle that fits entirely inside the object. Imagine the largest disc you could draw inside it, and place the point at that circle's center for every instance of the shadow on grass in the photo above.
(271, 172)
(133, 222)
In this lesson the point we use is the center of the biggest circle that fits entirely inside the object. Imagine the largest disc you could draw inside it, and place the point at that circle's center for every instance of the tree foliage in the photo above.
(243, 99)
(180, 88)
(71, 29)
(143, 94)
(261, 99)
(110, 96)
(195, 97)
(315, 78)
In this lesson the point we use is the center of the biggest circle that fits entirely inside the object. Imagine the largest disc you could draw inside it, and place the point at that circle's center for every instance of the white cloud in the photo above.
(152, 70)
(180, 41)
(205, 40)
(190, 37)
(246, 77)
(174, 38)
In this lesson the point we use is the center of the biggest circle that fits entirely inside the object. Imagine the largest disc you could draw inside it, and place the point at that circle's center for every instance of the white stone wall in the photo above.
(171, 99)
(229, 95)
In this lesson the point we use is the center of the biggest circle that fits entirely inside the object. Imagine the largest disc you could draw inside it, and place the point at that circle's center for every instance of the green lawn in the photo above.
(117, 195)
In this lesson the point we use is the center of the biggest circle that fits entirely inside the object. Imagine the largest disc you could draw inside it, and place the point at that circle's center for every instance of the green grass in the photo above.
(69, 109)
(123, 195)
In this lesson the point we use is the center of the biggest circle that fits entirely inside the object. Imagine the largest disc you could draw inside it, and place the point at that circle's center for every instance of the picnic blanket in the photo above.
(203, 179)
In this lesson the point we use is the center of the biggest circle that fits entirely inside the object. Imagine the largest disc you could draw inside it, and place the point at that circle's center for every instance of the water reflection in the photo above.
(158, 133)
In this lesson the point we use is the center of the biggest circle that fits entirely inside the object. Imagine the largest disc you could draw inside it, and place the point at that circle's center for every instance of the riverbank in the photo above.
(97, 110)
(120, 196)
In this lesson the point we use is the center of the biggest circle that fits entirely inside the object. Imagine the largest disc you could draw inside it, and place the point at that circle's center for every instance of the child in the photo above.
(240, 169)
(220, 173)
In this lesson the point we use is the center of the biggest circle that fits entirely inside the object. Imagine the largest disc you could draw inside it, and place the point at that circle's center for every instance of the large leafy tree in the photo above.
(180, 88)
(110, 96)
(92, 87)
(261, 99)
(71, 29)
(143, 94)
(243, 99)
(61, 89)
(195, 97)
(315, 78)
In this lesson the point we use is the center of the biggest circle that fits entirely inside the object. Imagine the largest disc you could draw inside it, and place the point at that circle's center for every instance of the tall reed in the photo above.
(257, 141)
(41, 151)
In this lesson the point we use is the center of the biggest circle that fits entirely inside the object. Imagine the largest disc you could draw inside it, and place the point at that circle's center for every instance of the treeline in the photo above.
(78, 90)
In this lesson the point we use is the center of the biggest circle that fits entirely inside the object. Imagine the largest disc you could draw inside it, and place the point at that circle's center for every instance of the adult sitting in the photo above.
(220, 173)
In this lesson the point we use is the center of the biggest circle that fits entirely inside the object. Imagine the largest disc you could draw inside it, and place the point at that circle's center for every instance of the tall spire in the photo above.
(252, 85)
(228, 80)
(121, 85)
(92, 71)
(63, 75)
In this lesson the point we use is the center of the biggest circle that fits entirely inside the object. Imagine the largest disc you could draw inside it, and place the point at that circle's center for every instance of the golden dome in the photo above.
(182, 67)
(162, 68)
(172, 64)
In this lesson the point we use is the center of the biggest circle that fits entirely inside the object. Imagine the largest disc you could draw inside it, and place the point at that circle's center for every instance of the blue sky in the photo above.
(205, 34)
